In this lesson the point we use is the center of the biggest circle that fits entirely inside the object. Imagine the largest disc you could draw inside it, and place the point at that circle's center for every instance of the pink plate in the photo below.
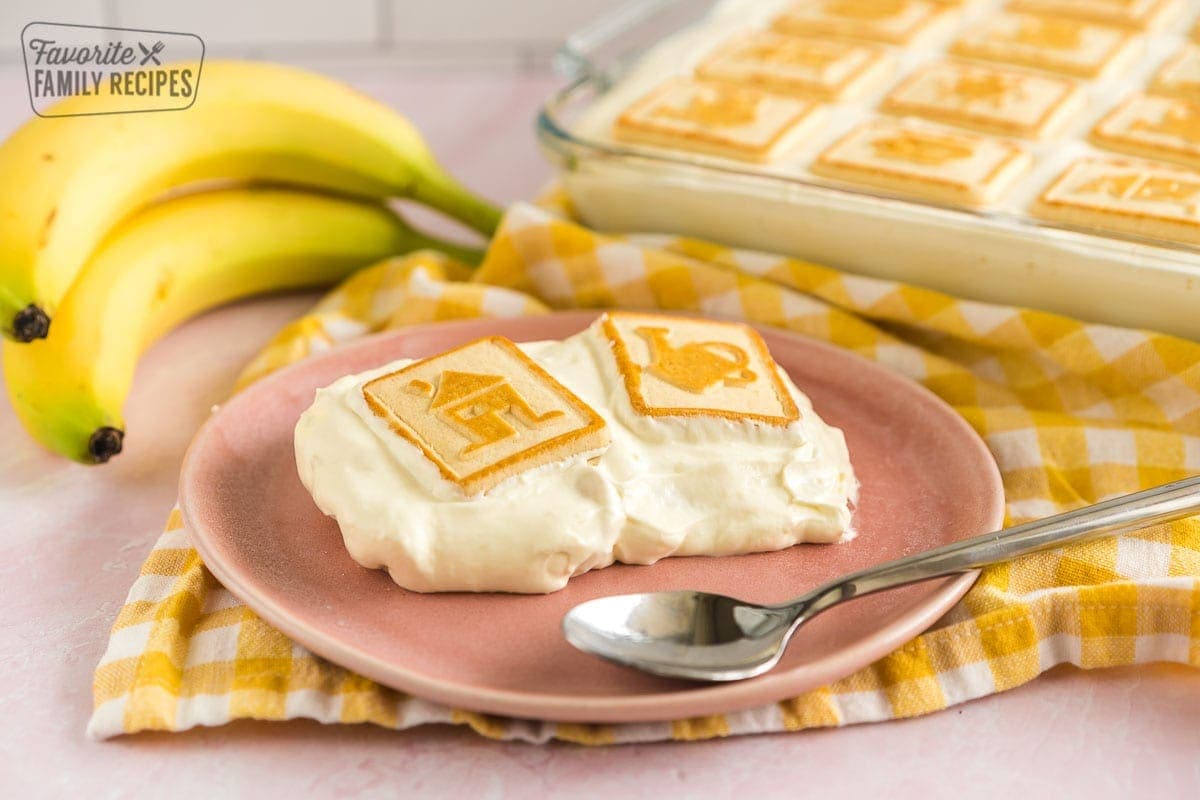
(927, 479)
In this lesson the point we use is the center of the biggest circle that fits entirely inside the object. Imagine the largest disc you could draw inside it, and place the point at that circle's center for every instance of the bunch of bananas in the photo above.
(114, 228)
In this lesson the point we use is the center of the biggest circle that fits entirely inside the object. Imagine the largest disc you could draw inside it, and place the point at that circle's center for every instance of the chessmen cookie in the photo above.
(900, 22)
(1054, 44)
(831, 69)
(720, 119)
(1142, 14)
(725, 456)
(927, 161)
(986, 98)
(1153, 200)
(1166, 128)
(453, 408)
(681, 369)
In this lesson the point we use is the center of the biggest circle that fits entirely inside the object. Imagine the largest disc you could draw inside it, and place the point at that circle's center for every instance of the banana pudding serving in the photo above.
(504, 467)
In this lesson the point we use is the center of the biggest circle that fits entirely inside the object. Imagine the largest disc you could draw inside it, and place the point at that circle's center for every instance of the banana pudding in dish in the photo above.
(936, 143)
(504, 467)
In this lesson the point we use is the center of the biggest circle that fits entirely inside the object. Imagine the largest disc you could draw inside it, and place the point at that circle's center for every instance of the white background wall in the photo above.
(510, 34)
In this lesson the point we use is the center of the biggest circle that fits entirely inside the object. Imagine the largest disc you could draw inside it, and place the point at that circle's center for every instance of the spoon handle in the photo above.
(1127, 512)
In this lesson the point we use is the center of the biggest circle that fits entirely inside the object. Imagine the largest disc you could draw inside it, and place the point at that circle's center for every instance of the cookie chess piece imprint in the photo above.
(923, 160)
(1143, 199)
(990, 99)
(1142, 14)
(684, 367)
(1166, 128)
(484, 412)
(1053, 44)
(796, 65)
(888, 21)
(1180, 75)
(722, 119)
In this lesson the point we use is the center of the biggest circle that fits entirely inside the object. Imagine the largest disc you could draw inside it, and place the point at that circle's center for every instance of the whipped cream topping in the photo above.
(666, 485)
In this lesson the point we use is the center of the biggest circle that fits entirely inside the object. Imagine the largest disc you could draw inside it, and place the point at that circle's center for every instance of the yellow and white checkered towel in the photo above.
(1072, 412)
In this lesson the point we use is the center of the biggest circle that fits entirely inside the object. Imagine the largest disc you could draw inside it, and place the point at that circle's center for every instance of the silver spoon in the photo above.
(710, 637)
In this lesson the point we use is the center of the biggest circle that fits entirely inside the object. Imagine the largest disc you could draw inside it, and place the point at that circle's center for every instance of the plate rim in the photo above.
(691, 699)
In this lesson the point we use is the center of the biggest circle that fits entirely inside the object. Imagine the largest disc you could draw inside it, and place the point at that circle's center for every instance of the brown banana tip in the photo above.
(31, 323)
(105, 443)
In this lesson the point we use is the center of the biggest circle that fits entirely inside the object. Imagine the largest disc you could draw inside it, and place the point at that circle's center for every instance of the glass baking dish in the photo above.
(1000, 256)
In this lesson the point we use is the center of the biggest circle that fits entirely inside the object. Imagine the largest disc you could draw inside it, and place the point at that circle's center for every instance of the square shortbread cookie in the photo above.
(1180, 75)
(988, 99)
(721, 119)
(923, 160)
(889, 21)
(1144, 14)
(796, 65)
(484, 412)
(1152, 200)
(1166, 128)
(1054, 44)
(684, 367)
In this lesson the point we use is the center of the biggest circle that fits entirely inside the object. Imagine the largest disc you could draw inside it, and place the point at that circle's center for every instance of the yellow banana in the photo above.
(68, 180)
(167, 263)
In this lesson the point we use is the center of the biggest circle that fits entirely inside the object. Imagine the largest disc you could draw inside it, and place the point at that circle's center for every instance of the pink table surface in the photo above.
(75, 536)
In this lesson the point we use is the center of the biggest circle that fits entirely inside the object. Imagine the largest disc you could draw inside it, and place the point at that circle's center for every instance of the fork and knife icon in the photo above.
(151, 53)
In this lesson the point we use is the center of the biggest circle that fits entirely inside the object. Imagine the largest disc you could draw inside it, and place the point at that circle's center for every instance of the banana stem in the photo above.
(438, 190)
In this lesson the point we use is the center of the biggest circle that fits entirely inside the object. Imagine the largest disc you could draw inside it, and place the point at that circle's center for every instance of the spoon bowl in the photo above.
(682, 634)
